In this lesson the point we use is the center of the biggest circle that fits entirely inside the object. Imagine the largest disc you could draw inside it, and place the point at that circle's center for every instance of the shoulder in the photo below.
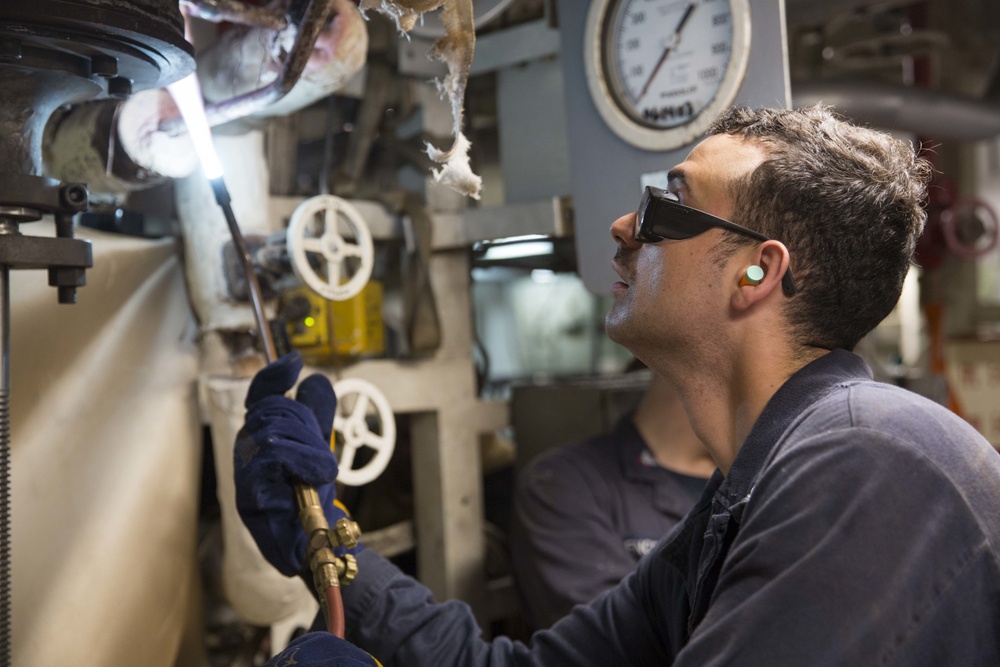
(861, 414)
(577, 475)
(593, 458)
(891, 443)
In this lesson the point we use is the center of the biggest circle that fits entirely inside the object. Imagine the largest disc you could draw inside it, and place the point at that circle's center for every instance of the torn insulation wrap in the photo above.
(455, 49)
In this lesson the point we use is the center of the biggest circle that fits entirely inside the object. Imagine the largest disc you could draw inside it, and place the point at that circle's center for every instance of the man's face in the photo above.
(673, 294)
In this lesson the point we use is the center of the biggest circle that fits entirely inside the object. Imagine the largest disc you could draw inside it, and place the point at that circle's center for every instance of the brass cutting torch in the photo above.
(328, 569)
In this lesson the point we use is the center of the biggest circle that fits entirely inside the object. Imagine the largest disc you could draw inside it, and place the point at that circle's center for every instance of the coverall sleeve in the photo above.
(839, 561)
(565, 549)
(395, 619)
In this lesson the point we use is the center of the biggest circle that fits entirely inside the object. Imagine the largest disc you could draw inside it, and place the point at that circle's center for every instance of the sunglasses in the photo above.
(660, 216)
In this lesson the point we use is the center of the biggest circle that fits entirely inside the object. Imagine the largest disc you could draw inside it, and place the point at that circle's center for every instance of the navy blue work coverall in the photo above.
(584, 514)
(858, 525)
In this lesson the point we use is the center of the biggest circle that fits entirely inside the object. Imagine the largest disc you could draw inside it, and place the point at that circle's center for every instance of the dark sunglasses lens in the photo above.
(643, 217)
(680, 224)
(670, 220)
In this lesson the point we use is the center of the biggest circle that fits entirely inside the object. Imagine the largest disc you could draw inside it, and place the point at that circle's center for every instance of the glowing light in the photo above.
(529, 249)
(187, 96)
(309, 321)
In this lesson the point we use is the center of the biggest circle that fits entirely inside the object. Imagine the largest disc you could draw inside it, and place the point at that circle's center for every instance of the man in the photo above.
(850, 522)
(584, 513)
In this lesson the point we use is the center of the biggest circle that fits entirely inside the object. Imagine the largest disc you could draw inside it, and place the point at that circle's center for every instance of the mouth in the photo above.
(622, 284)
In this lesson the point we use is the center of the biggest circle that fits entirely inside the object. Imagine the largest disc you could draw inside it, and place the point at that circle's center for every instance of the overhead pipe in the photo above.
(232, 69)
(232, 11)
(921, 111)
(240, 106)
(809, 12)
(119, 147)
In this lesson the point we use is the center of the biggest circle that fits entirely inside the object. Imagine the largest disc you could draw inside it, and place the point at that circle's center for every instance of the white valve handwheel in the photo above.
(356, 400)
(305, 238)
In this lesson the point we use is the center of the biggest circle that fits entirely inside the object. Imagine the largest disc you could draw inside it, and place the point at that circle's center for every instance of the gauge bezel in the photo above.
(605, 97)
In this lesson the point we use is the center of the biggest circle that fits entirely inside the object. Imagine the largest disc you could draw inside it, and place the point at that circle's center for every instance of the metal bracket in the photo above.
(27, 198)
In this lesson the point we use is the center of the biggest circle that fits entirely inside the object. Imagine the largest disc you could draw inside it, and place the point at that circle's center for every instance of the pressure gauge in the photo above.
(660, 71)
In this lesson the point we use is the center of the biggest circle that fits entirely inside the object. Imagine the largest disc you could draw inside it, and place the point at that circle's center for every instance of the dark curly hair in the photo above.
(847, 202)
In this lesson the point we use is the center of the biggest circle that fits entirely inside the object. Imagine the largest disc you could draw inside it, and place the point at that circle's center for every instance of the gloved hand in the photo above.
(282, 442)
(321, 649)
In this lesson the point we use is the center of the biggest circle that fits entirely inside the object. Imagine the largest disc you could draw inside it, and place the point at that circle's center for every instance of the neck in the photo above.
(664, 426)
(725, 400)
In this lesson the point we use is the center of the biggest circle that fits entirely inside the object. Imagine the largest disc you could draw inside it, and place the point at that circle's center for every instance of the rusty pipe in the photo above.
(218, 113)
(232, 11)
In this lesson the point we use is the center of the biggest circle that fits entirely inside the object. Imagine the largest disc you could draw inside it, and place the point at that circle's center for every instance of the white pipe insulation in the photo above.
(206, 233)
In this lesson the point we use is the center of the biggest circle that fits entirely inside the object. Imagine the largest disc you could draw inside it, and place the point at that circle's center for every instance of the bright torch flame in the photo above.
(187, 96)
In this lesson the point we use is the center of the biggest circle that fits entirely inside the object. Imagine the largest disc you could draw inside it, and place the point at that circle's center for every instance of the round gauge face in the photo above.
(661, 70)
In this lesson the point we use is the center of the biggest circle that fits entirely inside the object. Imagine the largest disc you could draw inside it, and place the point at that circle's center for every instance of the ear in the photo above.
(772, 257)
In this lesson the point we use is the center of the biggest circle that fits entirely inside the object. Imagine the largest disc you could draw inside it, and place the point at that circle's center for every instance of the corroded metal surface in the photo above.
(60, 52)
(124, 45)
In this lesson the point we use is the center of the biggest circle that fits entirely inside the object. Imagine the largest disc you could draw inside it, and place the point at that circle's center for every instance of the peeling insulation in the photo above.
(455, 49)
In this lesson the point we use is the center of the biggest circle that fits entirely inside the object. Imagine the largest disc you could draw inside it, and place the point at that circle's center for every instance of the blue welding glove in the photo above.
(321, 649)
(282, 442)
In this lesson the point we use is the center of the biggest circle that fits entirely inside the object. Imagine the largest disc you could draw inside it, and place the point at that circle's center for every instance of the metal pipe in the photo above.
(5, 592)
(243, 105)
(810, 12)
(217, 11)
(6, 227)
(922, 111)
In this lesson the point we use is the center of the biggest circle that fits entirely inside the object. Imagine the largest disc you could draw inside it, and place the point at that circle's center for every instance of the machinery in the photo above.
(355, 189)
(57, 53)
(85, 104)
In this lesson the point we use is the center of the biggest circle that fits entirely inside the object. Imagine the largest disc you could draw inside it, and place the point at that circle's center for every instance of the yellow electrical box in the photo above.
(337, 330)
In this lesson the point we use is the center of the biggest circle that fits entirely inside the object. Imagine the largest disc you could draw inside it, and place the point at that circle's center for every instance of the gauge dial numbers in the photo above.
(660, 71)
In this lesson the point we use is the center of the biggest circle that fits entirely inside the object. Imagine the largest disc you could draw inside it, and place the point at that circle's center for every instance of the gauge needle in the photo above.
(670, 47)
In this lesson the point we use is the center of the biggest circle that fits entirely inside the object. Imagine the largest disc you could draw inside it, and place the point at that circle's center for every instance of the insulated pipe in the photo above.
(918, 110)
(243, 59)
(246, 104)
(232, 11)
(119, 147)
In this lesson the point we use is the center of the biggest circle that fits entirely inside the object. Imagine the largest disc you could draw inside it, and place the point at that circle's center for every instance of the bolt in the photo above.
(67, 294)
(66, 279)
(67, 276)
(74, 196)
(104, 66)
(119, 87)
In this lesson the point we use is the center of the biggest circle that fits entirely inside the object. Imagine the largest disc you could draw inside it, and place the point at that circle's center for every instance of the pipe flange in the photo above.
(140, 42)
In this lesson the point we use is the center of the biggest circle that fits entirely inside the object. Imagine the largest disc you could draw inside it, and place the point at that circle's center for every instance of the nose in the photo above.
(623, 231)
